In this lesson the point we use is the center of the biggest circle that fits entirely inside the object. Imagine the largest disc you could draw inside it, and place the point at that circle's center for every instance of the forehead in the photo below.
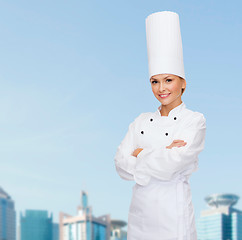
(162, 76)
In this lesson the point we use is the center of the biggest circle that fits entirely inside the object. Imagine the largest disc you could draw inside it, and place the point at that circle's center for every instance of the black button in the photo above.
(166, 134)
(151, 119)
(174, 118)
(142, 132)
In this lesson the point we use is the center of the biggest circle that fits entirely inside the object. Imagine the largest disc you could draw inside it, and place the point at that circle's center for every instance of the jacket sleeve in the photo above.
(124, 160)
(164, 163)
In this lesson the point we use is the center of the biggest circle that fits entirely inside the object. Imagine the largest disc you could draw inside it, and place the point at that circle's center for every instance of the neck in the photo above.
(165, 109)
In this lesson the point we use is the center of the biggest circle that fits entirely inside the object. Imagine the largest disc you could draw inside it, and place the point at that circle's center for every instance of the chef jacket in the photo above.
(161, 206)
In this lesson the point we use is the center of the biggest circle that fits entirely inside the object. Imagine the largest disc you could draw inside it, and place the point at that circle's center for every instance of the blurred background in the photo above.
(74, 75)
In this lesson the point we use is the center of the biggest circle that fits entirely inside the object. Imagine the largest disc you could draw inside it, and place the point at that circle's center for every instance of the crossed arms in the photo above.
(162, 162)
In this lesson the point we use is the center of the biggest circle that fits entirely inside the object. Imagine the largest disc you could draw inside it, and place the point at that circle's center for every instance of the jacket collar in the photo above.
(176, 110)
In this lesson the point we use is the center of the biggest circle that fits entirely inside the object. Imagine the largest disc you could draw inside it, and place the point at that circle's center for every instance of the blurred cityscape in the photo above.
(221, 221)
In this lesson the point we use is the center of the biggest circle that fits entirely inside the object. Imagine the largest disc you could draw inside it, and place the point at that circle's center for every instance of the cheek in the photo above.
(155, 88)
(174, 88)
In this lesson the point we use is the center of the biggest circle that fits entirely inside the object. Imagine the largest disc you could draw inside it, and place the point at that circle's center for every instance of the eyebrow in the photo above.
(158, 79)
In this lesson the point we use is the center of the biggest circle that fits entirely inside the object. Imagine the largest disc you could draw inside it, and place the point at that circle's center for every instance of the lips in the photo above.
(164, 95)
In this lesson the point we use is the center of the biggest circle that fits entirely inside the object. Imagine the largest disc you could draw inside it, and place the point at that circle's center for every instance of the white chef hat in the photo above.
(164, 44)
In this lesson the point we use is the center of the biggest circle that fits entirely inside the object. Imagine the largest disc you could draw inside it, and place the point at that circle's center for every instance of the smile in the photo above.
(164, 95)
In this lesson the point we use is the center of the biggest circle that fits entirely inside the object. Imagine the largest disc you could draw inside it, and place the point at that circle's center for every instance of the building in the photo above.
(55, 231)
(117, 233)
(222, 221)
(7, 217)
(36, 224)
(84, 226)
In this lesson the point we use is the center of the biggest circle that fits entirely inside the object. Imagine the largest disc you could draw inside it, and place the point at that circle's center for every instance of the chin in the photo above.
(165, 101)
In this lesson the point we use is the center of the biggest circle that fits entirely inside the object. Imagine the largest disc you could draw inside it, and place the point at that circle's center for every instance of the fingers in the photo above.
(137, 151)
(178, 140)
(182, 145)
(178, 143)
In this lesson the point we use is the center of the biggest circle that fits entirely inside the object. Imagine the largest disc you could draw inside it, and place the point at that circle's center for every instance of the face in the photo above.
(167, 88)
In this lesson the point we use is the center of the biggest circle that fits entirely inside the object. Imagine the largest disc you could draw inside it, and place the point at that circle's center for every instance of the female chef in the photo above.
(160, 150)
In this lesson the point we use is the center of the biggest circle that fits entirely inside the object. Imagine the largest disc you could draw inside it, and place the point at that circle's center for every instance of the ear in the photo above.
(184, 83)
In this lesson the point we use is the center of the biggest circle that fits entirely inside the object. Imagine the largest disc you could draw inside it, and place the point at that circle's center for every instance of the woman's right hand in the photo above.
(137, 151)
(177, 143)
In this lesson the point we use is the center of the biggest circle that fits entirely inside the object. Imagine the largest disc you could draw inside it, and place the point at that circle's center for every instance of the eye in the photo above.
(168, 79)
(153, 81)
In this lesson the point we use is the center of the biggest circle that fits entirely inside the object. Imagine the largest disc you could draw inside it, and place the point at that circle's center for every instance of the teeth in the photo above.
(164, 95)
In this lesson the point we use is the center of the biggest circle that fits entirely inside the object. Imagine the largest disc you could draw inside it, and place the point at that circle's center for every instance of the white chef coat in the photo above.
(161, 207)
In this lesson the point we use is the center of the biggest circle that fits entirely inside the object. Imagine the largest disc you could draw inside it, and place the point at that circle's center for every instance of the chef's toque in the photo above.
(164, 44)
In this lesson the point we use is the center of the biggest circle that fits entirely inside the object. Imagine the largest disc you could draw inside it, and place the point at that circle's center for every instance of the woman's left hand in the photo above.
(137, 151)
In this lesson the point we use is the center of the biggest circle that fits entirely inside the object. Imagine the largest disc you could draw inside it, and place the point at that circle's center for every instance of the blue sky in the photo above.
(74, 75)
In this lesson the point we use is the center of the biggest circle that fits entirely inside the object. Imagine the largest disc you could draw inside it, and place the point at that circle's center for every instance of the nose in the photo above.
(162, 87)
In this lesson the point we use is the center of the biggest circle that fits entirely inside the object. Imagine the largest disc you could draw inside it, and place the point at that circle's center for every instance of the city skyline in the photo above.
(221, 221)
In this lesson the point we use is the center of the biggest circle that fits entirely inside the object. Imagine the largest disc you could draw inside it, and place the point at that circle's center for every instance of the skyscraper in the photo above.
(55, 231)
(7, 217)
(36, 225)
(84, 225)
(222, 221)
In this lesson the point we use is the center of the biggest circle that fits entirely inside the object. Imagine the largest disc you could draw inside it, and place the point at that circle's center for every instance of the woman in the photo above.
(160, 150)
